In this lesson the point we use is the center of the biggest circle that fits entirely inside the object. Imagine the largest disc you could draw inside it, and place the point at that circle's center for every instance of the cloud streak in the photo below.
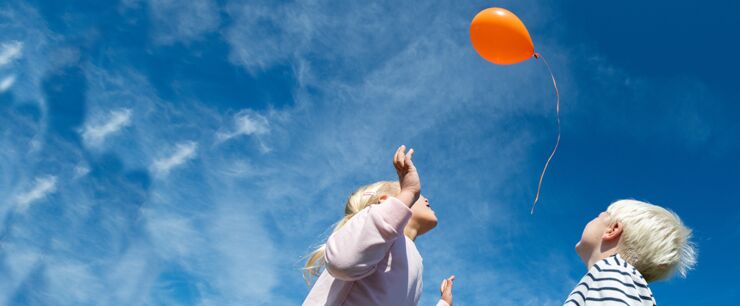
(10, 51)
(6, 83)
(182, 21)
(246, 122)
(183, 152)
(43, 187)
(95, 133)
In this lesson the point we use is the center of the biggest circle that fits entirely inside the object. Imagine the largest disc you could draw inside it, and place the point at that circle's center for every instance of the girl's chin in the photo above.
(432, 223)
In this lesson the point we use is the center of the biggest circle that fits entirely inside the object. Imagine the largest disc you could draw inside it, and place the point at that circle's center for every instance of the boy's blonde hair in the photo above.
(357, 201)
(654, 240)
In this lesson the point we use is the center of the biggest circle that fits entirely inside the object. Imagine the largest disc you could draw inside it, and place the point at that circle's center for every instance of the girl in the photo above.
(371, 258)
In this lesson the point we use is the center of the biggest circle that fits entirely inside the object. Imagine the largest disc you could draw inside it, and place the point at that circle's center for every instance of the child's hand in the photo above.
(446, 289)
(407, 176)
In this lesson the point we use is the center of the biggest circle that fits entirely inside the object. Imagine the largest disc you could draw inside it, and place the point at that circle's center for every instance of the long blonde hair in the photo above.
(357, 201)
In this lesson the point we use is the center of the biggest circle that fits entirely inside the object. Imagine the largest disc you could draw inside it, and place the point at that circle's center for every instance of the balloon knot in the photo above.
(536, 55)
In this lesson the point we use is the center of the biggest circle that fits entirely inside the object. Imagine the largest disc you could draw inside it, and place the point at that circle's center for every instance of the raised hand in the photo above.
(408, 177)
(446, 289)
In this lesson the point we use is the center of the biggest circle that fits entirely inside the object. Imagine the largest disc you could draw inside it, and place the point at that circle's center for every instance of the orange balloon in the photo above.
(500, 37)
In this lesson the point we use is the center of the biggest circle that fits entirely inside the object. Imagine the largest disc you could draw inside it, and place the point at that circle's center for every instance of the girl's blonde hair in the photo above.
(654, 240)
(357, 201)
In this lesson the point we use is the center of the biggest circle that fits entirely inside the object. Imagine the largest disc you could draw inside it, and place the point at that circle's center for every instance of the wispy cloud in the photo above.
(10, 51)
(80, 171)
(183, 21)
(43, 186)
(247, 122)
(183, 152)
(21, 26)
(7, 82)
(291, 26)
(94, 133)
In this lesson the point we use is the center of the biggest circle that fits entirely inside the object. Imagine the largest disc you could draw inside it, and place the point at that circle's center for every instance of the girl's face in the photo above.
(423, 215)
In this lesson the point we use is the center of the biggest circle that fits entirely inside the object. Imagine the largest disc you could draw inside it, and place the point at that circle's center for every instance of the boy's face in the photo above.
(592, 237)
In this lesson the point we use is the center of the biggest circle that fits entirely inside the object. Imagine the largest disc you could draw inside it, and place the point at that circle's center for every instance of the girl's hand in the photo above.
(408, 177)
(446, 289)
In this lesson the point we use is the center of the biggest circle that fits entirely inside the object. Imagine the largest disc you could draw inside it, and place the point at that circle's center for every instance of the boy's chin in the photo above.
(582, 251)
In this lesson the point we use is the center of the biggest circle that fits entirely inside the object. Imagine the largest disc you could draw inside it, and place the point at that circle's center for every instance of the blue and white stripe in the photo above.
(611, 281)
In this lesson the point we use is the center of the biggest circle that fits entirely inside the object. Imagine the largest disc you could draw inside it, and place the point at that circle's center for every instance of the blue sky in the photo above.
(191, 153)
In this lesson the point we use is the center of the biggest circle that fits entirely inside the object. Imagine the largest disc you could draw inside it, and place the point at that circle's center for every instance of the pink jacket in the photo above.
(369, 261)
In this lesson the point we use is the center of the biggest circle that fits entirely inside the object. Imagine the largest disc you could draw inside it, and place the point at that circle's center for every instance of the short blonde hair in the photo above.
(357, 201)
(653, 240)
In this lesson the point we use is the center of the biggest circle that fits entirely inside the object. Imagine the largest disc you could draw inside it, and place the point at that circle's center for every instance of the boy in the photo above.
(630, 245)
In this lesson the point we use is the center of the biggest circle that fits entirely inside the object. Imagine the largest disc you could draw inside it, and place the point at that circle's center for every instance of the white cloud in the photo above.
(81, 170)
(175, 235)
(10, 51)
(130, 276)
(25, 34)
(72, 282)
(240, 168)
(183, 152)
(43, 187)
(189, 224)
(238, 253)
(183, 20)
(247, 122)
(20, 261)
(6, 83)
(255, 48)
(95, 133)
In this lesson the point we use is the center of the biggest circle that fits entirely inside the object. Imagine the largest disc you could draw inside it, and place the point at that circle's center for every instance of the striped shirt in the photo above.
(611, 281)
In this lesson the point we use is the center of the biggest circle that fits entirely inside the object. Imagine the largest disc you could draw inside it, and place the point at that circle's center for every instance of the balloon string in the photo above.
(557, 143)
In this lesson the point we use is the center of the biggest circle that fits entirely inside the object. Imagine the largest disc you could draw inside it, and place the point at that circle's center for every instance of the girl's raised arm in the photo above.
(354, 251)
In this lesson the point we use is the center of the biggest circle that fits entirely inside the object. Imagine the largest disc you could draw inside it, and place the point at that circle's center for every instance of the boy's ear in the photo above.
(614, 231)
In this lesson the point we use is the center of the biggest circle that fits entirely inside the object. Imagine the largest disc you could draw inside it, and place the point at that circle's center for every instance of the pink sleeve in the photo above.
(356, 248)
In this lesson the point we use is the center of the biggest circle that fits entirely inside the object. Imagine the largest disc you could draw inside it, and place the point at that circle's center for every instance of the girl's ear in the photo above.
(383, 197)
(614, 231)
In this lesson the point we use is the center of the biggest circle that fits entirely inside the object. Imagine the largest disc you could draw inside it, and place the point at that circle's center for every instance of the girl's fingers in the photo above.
(402, 157)
(403, 160)
(408, 161)
(446, 285)
(395, 156)
(447, 288)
